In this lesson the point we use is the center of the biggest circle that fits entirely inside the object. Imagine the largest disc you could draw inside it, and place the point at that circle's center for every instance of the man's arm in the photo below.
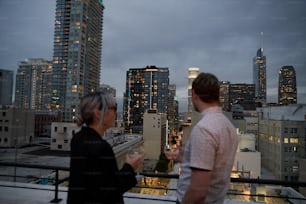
(198, 188)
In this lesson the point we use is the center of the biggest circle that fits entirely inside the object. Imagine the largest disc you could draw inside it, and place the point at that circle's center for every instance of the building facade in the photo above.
(33, 85)
(247, 160)
(154, 134)
(193, 72)
(242, 94)
(16, 127)
(76, 54)
(259, 76)
(173, 112)
(43, 122)
(282, 139)
(6, 87)
(146, 88)
(287, 93)
(61, 135)
(224, 95)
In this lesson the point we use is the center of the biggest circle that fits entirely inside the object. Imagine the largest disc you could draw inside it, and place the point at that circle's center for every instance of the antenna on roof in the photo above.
(261, 38)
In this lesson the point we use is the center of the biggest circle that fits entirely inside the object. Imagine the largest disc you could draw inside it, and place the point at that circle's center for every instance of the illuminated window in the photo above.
(74, 88)
(294, 140)
(295, 149)
(286, 140)
(57, 39)
(295, 169)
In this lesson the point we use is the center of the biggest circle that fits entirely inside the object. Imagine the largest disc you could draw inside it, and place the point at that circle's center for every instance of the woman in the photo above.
(94, 174)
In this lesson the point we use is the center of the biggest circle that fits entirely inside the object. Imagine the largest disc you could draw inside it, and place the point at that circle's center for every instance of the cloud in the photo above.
(221, 37)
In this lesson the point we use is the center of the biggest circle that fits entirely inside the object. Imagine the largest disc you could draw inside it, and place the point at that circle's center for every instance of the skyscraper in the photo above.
(242, 94)
(146, 88)
(172, 112)
(6, 87)
(259, 76)
(287, 93)
(193, 72)
(76, 53)
(32, 91)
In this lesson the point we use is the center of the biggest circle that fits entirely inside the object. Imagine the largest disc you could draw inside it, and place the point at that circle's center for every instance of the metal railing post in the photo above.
(56, 199)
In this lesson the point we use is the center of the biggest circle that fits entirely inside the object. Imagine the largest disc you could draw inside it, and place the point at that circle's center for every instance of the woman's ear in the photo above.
(97, 115)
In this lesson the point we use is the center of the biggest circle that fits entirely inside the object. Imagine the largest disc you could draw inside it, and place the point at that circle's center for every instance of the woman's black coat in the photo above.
(94, 174)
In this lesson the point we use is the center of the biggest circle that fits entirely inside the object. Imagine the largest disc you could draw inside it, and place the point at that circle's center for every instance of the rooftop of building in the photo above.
(22, 191)
(295, 112)
(27, 193)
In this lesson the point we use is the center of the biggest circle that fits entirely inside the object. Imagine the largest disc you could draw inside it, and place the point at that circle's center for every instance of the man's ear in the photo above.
(194, 95)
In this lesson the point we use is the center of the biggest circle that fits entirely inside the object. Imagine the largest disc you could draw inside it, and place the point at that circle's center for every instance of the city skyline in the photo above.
(174, 34)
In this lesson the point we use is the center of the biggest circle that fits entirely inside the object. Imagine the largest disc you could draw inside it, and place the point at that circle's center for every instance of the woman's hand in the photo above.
(135, 161)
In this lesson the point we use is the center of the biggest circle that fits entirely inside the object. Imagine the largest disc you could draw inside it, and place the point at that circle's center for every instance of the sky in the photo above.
(217, 36)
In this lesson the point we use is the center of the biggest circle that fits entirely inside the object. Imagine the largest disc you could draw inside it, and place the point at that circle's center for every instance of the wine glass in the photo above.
(136, 152)
(171, 151)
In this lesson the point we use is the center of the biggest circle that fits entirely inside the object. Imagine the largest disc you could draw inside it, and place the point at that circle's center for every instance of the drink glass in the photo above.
(171, 151)
(136, 152)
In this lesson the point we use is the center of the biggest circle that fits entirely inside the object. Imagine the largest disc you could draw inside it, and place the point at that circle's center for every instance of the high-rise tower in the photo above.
(259, 76)
(32, 90)
(173, 112)
(76, 53)
(193, 72)
(146, 89)
(287, 93)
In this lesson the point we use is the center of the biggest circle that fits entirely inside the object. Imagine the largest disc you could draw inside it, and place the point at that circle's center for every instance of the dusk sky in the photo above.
(218, 36)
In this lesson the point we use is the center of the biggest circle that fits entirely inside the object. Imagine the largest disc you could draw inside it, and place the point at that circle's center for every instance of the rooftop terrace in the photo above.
(152, 188)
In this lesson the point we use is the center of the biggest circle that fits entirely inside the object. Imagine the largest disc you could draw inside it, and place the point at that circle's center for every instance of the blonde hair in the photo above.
(89, 103)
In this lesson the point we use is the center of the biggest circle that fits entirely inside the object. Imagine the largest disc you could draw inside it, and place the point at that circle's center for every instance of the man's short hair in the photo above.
(207, 87)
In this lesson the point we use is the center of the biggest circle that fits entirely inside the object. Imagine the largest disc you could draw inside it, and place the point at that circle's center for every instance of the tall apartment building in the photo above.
(146, 88)
(259, 76)
(282, 135)
(193, 72)
(33, 88)
(287, 92)
(6, 87)
(76, 53)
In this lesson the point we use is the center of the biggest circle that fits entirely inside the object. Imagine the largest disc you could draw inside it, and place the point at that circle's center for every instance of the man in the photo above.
(209, 154)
